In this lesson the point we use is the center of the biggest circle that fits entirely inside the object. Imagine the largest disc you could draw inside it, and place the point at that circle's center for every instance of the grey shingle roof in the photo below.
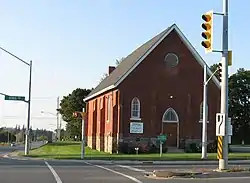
(127, 63)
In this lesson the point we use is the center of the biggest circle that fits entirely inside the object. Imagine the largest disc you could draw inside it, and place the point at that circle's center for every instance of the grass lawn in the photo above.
(69, 150)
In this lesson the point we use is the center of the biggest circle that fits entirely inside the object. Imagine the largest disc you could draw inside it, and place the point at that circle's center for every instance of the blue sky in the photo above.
(72, 43)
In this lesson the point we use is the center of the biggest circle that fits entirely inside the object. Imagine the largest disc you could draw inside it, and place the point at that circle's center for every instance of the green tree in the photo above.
(117, 62)
(213, 68)
(70, 104)
(239, 105)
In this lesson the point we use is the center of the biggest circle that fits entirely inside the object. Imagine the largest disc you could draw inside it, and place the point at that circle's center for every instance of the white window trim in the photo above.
(139, 110)
(167, 121)
(134, 118)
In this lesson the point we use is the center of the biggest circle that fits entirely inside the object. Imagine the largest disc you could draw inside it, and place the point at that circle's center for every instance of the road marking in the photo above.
(58, 180)
(116, 172)
(132, 168)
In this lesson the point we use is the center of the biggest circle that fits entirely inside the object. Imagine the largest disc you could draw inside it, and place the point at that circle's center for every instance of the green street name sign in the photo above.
(162, 138)
(17, 98)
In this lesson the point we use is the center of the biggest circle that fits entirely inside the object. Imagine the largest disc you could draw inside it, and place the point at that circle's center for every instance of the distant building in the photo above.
(157, 88)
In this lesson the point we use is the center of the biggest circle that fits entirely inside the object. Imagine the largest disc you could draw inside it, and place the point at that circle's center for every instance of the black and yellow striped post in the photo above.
(220, 147)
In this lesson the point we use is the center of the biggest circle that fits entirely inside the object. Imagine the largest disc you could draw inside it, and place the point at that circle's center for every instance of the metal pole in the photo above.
(58, 120)
(161, 144)
(204, 118)
(83, 142)
(28, 121)
(223, 163)
(8, 136)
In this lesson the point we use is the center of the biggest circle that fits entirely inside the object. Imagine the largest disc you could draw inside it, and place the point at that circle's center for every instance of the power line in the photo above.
(44, 98)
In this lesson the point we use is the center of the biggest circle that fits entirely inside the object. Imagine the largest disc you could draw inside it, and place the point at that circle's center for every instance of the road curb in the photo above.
(170, 174)
(125, 162)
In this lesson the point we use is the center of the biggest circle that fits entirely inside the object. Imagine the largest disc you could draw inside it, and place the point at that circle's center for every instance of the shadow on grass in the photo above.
(64, 156)
(63, 143)
(38, 147)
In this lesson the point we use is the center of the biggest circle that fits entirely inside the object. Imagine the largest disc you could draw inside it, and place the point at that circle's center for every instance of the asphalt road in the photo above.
(30, 171)
(8, 149)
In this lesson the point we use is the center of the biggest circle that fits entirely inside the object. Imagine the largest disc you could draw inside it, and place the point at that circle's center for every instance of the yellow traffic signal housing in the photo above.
(79, 115)
(207, 34)
(230, 58)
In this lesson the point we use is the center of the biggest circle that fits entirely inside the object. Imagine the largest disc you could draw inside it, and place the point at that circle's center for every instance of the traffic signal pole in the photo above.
(223, 163)
(222, 122)
(81, 115)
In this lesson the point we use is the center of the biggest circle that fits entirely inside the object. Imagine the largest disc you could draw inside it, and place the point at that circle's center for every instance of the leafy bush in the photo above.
(193, 148)
(212, 147)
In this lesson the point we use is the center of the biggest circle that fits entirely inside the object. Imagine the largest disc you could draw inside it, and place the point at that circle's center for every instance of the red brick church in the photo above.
(156, 89)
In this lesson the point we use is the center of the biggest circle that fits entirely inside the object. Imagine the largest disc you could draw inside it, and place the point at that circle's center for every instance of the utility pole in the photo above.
(204, 117)
(26, 149)
(28, 121)
(58, 119)
(223, 163)
(83, 141)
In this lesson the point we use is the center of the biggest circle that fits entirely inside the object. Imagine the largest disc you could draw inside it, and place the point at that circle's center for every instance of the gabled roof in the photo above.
(136, 57)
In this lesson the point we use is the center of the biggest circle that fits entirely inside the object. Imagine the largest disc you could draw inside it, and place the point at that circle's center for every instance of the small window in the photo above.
(135, 108)
(101, 103)
(94, 104)
(170, 116)
(109, 108)
(171, 60)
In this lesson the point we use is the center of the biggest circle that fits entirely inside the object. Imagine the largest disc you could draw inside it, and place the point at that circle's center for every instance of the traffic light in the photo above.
(220, 71)
(76, 115)
(207, 33)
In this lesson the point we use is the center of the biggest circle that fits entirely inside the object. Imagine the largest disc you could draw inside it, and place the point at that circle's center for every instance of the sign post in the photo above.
(162, 138)
(220, 132)
(81, 115)
(83, 140)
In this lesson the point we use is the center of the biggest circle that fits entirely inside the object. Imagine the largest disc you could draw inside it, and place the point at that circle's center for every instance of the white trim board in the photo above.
(185, 41)
(99, 92)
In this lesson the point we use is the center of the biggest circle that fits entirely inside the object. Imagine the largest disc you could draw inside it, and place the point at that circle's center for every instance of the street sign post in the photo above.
(16, 98)
(162, 138)
(220, 133)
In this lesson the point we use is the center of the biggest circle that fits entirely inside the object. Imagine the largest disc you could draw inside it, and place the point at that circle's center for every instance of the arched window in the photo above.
(135, 108)
(170, 116)
(201, 112)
